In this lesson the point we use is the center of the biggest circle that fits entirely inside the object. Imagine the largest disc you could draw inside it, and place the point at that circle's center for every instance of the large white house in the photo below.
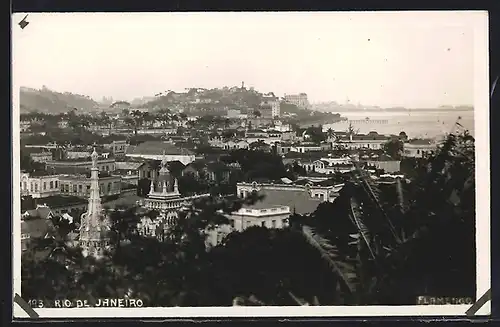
(419, 148)
(372, 140)
(40, 185)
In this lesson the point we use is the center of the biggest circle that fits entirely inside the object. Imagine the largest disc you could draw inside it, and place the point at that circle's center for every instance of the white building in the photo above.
(41, 156)
(333, 165)
(62, 124)
(271, 102)
(163, 197)
(371, 141)
(234, 145)
(271, 217)
(82, 164)
(279, 126)
(233, 113)
(80, 185)
(40, 186)
(419, 148)
(302, 148)
(267, 140)
(300, 100)
(77, 154)
(118, 148)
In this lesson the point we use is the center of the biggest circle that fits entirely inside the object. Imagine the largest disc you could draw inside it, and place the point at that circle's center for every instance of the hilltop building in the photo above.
(300, 100)
(270, 106)
(95, 226)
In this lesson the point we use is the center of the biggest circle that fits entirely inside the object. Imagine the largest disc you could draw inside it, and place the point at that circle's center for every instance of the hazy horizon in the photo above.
(407, 59)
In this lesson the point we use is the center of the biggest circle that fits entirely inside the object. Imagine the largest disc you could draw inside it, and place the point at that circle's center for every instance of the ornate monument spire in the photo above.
(152, 186)
(164, 165)
(94, 228)
(176, 186)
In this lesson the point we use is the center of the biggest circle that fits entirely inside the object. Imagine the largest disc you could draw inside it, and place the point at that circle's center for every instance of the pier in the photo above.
(365, 121)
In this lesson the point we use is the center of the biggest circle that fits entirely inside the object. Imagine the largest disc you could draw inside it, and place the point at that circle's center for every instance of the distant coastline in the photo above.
(378, 110)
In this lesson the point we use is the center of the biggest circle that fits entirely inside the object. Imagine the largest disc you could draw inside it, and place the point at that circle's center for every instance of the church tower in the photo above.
(94, 227)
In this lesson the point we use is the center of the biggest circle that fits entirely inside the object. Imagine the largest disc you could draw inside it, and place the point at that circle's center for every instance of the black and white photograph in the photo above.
(250, 164)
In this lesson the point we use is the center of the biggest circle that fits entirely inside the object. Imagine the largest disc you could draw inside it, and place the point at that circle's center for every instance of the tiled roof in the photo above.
(385, 157)
(175, 166)
(36, 227)
(217, 165)
(312, 155)
(157, 148)
(39, 212)
(300, 201)
(372, 137)
(198, 164)
(259, 144)
(127, 165)
(255, 131)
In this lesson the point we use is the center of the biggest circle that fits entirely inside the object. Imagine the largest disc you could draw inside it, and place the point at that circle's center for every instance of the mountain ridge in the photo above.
(49, 101)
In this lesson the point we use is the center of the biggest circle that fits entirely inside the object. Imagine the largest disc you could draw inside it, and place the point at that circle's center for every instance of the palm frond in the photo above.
(372, 191)
(363, 230)
(400, 193)
(298, 300)
(329, 253)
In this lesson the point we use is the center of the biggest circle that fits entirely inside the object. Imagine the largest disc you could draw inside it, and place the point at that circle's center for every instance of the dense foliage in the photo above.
(375, 244)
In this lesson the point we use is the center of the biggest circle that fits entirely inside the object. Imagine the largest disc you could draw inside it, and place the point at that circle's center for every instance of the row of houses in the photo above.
(329, 165)
(39, 185)
(49, 152)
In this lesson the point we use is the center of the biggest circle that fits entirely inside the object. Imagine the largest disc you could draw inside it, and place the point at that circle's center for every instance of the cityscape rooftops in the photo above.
(363, 137)
(41, 211)
(157, 148)
(40, 173)
(36, 227)
(129, 165)
(81, 160)
(382, 157)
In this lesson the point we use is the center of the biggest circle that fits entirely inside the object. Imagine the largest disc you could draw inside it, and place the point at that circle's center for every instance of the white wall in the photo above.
(185, 159)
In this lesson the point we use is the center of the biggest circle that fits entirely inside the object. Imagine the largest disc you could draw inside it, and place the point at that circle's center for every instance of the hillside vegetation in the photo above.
(48, 101)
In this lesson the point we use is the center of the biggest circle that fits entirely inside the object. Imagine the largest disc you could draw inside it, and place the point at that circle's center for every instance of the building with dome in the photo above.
(164, 197)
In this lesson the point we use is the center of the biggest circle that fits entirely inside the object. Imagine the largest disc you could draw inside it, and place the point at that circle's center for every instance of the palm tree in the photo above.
(163, 115)
(147, 118)
(351, 131)
(124, 222)
(105, 119)
(330, 133)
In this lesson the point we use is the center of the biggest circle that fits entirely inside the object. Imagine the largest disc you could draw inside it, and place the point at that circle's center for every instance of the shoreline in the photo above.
(368, 111)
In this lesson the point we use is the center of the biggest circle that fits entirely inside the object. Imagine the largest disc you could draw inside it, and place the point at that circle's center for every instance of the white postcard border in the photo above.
(479, 21)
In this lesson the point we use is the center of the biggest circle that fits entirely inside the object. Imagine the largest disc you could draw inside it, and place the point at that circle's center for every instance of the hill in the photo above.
(48, 101)
(196, 99)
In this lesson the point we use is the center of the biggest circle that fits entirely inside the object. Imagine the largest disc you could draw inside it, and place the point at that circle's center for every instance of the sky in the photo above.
(407, 59)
